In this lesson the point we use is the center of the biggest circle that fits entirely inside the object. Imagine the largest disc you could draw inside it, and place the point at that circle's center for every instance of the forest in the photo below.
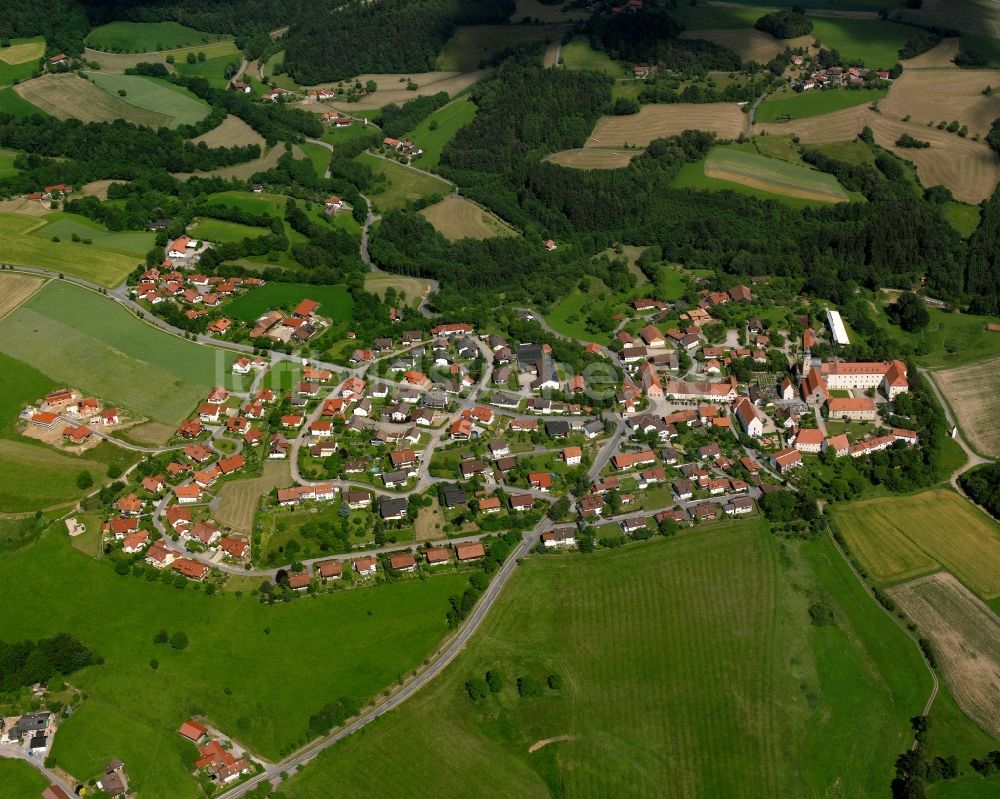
(24, 663)
(982, 484)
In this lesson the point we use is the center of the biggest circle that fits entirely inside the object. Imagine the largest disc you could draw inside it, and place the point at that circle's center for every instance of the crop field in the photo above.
(392, 89)
(19, 780)
(73, 258)
(657, 121)
(226, 673)
(966, 634)
(709, 632)
(20, 59)
(836, 126)
(594, 158)
(222, 231)
(143, 37)
(66, 96)
(119, 62)
(472, 45)
(933, 95)
(457, 218)
(64, 225)
(15, 289)
(334, 301)
(578, 54)
(813, 103)
(80, 338)
(971, 392)
(404, 184)
(897, 538)
(448, 119)
(239, 499)
(154, 95)
(749, 45)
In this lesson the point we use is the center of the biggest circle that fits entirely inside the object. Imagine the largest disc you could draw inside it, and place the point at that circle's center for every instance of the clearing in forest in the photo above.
(457, 218)
(594, 158)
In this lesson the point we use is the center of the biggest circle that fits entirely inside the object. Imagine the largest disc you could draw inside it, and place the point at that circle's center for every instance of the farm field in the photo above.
(223, 231)
(472, 45)
(119, 62)
(65, 225)
(594, 158)
(143, 37)
(876, 42)
(20, 51)
(709, 632)
(449, 119)
(897, 538)
(578, 54)
(966, 634)
(810, 104)
(263, 203)
(80, 338)
(133, 712)
(72, 258)
(334, 301)
(19, 780)
(404, 185)
(14, 104)
(392, 89)
(457, 218)
(656, 121)
(971, 16)
(69, 96)
(933, 95)
(950, 339)
(16, 288)
(971, 392)
(749, 45)
(154, 95)
(757, 176)
(412, 287)
(319, 157)
(239, 499)
(836, 126)
(213, 68)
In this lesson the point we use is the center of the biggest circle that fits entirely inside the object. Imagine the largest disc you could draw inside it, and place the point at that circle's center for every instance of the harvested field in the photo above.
(971, 391)
(97, 188)
(932, 95)
(457, 218)
(749, 45)
(838, 126)
(772, 175)
(68, 96)
(239, 499)
(24, 207)
(233, 132)
(594, 158)
(250, 168)
(980, 17)
(412, 287)
(392, 90)
(942, 56)
(23, 51)
(119, 62)
(966, 635)
(15, 289)
(656, 121)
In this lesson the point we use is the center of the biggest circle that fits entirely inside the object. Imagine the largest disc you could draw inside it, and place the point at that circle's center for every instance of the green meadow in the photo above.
(14, 104)
(814, 103)
(213, 68)
(144, 37)
(7, 168)
(222, 231)
(403, 185)
(578, 54)
(685, 666)
(154, 95)
(18, 780)
(439, 128)
(334, 301)
(256, 671)
(64, 225)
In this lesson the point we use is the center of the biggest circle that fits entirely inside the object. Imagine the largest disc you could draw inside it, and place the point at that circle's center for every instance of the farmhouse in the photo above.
(786, 460)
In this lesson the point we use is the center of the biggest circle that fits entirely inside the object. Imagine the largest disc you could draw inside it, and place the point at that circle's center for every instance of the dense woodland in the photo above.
(23, 663)
(982, 484)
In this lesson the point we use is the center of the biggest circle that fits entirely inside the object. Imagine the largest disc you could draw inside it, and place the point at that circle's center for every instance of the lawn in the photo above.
(439, 128)
(18, 780)
(334, 301)
(154, 95)
(352, 644)
(87, 261)
(578, 54)
(813, 103)
(135, 243)
(743, 172)
(964, 218)
(144, 37)
(404, 185)
(219, 230)
(675, 656)
(80, 338)
(897, 538)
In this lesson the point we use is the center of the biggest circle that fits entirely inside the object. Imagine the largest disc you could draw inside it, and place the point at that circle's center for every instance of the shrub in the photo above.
(528, 686)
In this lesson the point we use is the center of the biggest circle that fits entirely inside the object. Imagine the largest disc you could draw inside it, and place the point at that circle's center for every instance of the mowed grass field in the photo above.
(876, 42)
(135, 243)
(688, 667)
(14, 104)
(749, 45)
(412, 287)
(403, 186)
(154, 95)
(657, 121)
(334, 301)
(79, 338)
(897, 538)
(88, 261)
(68, 96)
(19, 780)
(142, 37)
(578, 54)
(813, 103)
(448, 120)
(972, 392)
(457, 218)
(352, 644)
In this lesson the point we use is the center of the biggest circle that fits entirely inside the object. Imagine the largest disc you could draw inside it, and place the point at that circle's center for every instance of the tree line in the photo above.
(24, 663)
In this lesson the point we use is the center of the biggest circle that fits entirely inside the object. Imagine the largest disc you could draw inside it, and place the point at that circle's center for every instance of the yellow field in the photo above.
(412, 287)
(594, 158)
(966, 634)
(897, 538)
(841, 125)
(70, 96)
(657, 121)
(233, 132)
(19, 53)
(748, 44)
(457, 218)
(972, 391)
(239, 499)
(16, 288)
